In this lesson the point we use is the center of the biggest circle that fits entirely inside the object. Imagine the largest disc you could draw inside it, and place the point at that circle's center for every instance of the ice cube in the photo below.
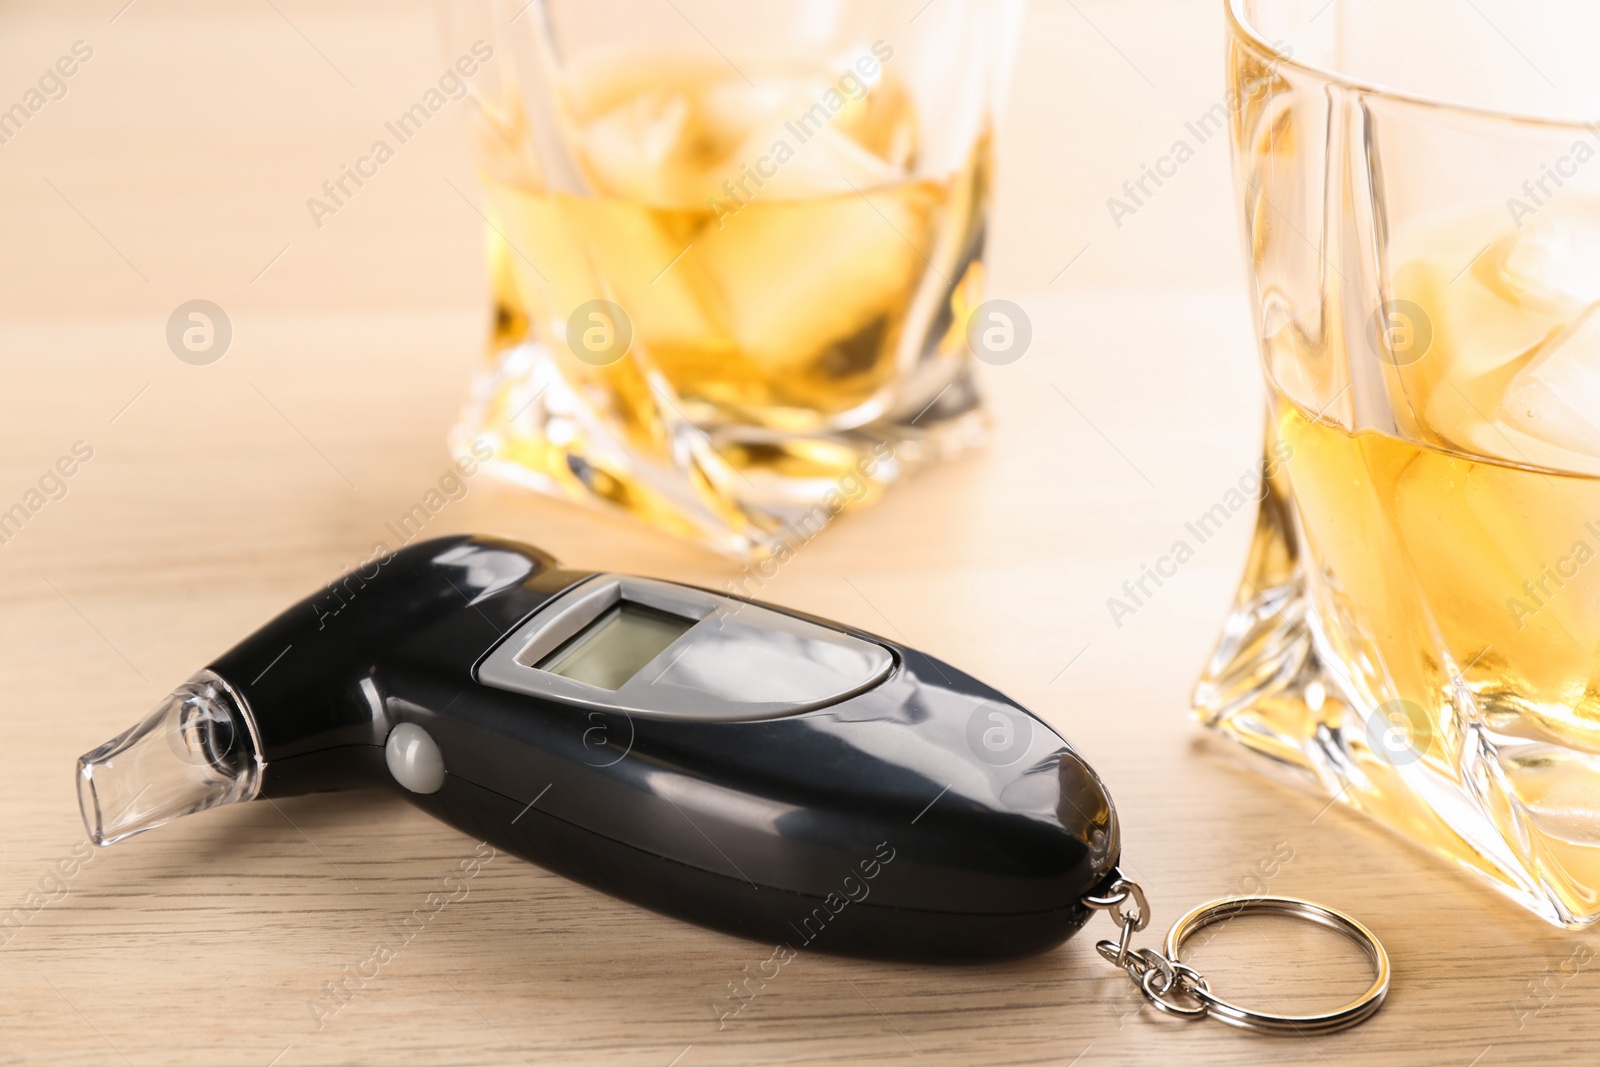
(690, 135)
(799, 278)
(1556, 397)
(884, 122)
(816, 162)
(1554, 258)
(630, 150)
(738, 108)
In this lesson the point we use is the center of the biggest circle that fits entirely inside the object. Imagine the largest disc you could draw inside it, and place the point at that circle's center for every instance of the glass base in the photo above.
(1441, 777)
(747, 491)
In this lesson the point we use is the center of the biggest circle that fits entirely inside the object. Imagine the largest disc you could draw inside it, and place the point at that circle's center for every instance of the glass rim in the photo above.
(1240, 27)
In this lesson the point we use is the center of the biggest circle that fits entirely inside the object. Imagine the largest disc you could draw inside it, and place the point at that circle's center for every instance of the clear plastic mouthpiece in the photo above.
(199, 749)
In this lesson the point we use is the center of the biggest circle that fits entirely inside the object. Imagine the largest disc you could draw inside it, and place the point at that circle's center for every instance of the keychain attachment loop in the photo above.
(1166, 981)
(1119, 892)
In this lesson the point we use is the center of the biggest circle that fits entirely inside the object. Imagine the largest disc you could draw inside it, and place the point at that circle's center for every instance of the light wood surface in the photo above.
(177, 167)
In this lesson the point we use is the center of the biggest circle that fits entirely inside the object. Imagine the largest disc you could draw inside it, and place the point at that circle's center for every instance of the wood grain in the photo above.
(176, 167)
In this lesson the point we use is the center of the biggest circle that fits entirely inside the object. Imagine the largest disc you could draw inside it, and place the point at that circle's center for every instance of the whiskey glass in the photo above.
(1417, 632)
(734, 250)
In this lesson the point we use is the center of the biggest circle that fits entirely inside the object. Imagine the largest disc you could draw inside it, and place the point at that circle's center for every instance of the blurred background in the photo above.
(178, 166)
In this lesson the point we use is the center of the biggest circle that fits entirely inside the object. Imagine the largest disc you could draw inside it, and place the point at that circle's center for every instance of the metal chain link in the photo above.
(1157, 976)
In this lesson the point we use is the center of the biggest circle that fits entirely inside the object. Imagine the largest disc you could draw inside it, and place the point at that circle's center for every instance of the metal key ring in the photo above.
(1321, 1023)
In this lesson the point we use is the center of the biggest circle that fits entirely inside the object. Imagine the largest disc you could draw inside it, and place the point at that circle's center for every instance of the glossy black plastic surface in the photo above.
(927, 818)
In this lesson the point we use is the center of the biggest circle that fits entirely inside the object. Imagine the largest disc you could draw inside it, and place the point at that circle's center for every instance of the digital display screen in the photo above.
(612, 648)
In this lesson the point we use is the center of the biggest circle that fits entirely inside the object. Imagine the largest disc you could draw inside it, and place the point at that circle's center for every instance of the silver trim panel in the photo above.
(737, 663)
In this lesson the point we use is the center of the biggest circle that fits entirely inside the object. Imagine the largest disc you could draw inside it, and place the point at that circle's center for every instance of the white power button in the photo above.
(414, 758)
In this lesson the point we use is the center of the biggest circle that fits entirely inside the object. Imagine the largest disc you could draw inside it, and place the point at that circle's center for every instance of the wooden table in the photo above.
(177, 166)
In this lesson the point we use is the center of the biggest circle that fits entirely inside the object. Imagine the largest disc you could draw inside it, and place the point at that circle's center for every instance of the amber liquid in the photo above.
(768, 249)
